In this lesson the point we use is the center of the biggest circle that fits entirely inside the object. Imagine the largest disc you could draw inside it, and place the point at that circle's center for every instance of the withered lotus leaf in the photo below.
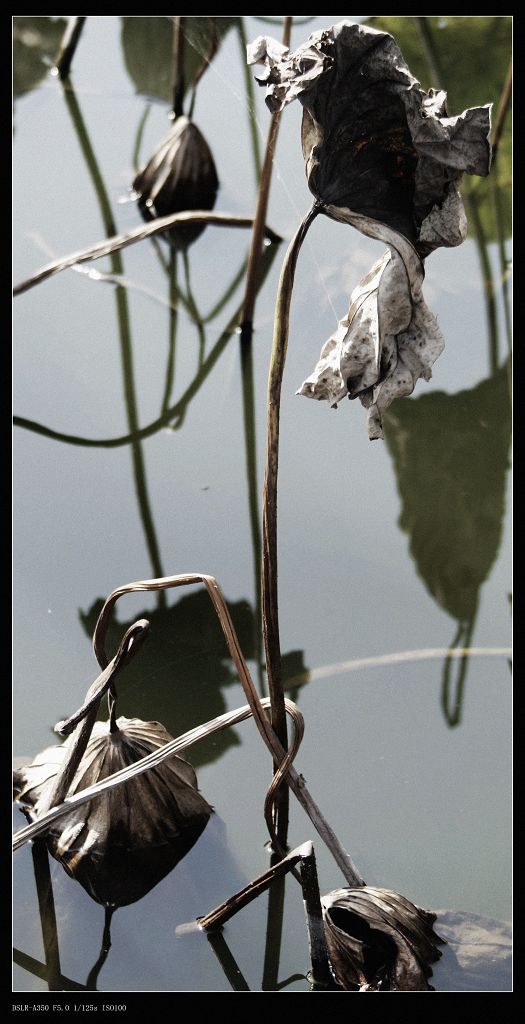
(379, 941)
(181, 175)
(383, 156)
(119, 845)
(387, 341)
(373, 140)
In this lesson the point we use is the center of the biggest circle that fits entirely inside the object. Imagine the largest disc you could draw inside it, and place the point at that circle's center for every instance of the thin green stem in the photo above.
(250, 104)
(126, 350)
(138, 138)
(471, 203)
(501, 115)
(274, 931)
(192, 305)
(430, 50)
(172, 333)
(176, 411)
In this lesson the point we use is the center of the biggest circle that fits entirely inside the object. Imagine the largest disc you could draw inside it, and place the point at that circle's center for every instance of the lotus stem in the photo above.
(178, 66)
(48, 921)
(254, 256)
(68, 46)
(502, 111)
(129, 645)
(256, 707)
(305, 856)
(153, 760)
(278, 752)
(270, 614)
(154, 227)
(228, 963)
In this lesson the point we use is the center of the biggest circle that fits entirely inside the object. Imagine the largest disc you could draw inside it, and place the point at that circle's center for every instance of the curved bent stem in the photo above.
(41, 824)
(118, 242)
(129, 645)
(176, 411)
(273, 743)
(270, 616)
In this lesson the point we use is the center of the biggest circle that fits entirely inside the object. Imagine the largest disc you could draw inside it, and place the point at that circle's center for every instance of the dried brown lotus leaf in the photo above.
(386, 343)
(373, 141)
(378, 940)
(382, 155)
(119, 845)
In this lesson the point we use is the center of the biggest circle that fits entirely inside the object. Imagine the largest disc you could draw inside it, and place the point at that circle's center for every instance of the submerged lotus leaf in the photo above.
(379, 941)
(181, 175)
(387, 341)
(119, 845)
(374, 141)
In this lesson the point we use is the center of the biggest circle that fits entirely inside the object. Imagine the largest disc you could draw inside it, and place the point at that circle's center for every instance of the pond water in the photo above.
(385, 549)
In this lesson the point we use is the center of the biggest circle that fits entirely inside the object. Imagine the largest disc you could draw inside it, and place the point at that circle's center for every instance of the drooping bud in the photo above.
(181, 175)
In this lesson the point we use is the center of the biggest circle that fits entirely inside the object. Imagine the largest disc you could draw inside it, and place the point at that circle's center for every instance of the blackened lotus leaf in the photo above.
(181, 175)
(378, 940)
(373, 141)
(119, 845)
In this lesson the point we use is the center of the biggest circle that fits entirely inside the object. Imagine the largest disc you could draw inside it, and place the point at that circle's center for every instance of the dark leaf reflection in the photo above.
(182, 685)
(35, 44)
(450, 455)
(153, 35)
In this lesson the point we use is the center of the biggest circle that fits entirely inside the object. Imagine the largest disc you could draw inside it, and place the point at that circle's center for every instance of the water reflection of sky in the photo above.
(417, 804)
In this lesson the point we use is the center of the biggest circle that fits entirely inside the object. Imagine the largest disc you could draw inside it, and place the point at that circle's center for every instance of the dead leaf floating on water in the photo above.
(384, 156)
(379, 941)
(121, 844)
(181, 175)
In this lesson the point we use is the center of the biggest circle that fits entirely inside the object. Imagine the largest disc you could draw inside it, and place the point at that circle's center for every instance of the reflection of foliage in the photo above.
(148, 50)
(180, 675)
(471, 54)
(450, 454)
(35, 44)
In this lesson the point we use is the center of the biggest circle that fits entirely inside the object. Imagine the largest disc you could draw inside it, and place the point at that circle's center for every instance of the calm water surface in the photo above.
(396, 546)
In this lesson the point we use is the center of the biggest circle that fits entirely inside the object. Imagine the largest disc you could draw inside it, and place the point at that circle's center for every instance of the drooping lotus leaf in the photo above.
(472, 56)
(384, 156)
(123, 842)
(180, 175)
(450, 455)
(387, 341)
(374, 142)
(379, 941)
